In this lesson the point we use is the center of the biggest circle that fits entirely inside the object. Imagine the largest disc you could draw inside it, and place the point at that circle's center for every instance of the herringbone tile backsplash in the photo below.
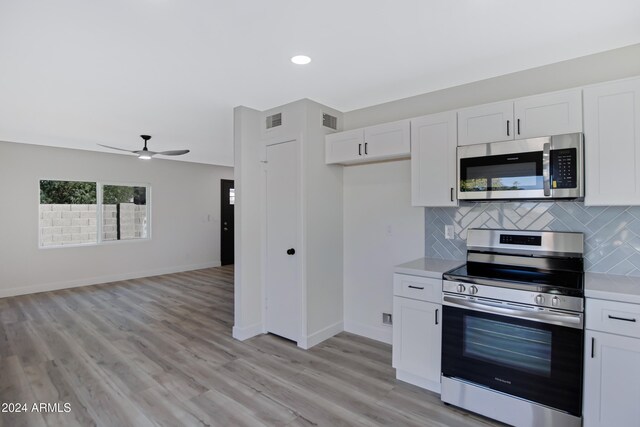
(612, 233)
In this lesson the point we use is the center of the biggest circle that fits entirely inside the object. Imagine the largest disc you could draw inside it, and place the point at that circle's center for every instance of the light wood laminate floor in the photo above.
(159, 351)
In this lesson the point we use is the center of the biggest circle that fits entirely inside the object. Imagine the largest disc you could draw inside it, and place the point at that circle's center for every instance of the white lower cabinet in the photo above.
(611, 381)
(612, 365)
(417, 331)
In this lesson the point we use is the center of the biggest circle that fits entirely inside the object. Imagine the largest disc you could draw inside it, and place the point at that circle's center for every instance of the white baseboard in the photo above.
(242, 333)
(407, 377)
(321, 335)
(378, 333)
(45, 287)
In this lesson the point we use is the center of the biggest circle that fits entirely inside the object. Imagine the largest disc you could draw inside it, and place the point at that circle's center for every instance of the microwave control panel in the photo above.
(564, 168)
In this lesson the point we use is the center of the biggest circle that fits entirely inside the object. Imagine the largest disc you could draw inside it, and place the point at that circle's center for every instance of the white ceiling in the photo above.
(74, 73)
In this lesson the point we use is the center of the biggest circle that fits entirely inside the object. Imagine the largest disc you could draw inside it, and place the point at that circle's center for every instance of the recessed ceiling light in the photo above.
(300, 59)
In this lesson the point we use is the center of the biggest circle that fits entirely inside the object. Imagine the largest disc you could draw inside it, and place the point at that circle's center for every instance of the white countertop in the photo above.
(612, 287)
(427, 267)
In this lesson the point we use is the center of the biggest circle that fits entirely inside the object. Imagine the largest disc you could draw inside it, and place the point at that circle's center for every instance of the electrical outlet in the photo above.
(386, 319)
(448, 232)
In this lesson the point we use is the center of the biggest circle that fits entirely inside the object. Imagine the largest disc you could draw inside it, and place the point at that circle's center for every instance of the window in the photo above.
(81, 213)
(124, 212)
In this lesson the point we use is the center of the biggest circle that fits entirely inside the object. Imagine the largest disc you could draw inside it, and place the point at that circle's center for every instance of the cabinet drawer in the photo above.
(615, 317)
(417, 287)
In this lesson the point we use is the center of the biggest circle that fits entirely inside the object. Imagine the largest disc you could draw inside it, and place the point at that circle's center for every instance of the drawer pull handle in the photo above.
(593, 347)
(422, 287)
(621, 318)
(436, 316)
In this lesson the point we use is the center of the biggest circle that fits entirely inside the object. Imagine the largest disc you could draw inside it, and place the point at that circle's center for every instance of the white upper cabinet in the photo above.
(612, 143)
(433, 160)
(387, 141)
(485, 123)
(380, 142)
(344, 147)
(554, 113)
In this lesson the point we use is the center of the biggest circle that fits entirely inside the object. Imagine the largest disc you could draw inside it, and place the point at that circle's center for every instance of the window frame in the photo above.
(99, 203)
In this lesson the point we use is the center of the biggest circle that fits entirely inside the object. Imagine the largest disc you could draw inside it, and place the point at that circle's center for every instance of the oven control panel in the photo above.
(517, 296)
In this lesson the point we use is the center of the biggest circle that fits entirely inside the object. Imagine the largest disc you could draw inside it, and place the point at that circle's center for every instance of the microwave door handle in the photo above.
(546, 168)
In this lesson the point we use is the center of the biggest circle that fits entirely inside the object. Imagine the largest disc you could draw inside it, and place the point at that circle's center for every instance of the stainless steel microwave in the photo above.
(549, 167)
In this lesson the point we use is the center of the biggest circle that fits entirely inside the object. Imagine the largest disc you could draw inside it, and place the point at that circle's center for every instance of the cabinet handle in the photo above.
(365, 148)
(436, 316)
(507, 127)
(593, 347)
(359, 149)
(518, 126)
(621, 318)
(452, 194)
(416, 287)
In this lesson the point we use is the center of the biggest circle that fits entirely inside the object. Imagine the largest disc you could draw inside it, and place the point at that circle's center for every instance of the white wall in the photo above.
(320, 230)
(248, 173)
(381, 230)
(323, 212)
(609, 65)
(183, 197)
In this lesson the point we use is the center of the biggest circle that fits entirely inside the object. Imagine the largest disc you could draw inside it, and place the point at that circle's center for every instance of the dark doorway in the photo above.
(227, 200)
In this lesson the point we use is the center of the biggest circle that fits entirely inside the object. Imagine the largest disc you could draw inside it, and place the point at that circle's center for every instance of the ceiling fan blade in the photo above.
(116, 148)
(147, 152)
(173, 152)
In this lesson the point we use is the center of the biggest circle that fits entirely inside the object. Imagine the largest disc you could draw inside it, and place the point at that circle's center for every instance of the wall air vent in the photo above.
(274, 120)
(329, 121)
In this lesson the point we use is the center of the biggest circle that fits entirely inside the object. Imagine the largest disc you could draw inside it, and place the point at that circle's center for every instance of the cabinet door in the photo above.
(611, 381)
(387, 141)
(344, 147)
(433, 160)
(485, 123)
(612, 143)
(554, 113)
(417, 331)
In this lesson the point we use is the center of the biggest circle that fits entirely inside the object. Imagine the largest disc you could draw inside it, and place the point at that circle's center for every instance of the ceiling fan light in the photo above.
(144, 156)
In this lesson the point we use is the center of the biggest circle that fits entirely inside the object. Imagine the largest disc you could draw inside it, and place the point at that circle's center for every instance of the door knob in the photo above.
(291, 251)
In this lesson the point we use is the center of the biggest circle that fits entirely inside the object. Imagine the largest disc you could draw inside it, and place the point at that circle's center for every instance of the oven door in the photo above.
(503, 349)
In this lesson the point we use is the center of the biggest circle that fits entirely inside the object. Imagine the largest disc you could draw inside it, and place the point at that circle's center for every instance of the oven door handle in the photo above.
(555, 318)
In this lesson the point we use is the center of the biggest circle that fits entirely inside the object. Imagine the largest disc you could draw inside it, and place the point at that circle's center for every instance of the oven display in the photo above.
(518, 347)
(514, 239)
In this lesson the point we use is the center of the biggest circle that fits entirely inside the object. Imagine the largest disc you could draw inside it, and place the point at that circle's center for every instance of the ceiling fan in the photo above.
(145, 153)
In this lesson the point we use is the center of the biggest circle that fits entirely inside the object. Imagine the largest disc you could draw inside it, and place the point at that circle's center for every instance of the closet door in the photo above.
(283, 284)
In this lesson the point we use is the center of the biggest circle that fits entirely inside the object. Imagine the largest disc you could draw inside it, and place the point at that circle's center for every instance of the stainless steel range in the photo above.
(512, 331)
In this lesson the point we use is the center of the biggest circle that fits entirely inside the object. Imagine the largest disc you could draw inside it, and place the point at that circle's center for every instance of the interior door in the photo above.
(227, 201)
(283, 305)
